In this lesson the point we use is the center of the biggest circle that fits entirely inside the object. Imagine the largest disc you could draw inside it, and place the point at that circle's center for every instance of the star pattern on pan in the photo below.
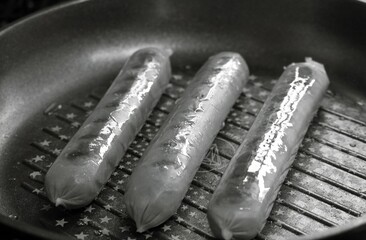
(105, 232)
(111, 198)
(105, 219)
(201, 207)
(61, 222)
(184, 207)
(120, 181)
(292, 192)
(192, 214)
(46, 207)
(88, 104)
(56, 128)
(38, 158)
(56, 151)
(166, 228)
(45, 143)
(95, 215)
(90, 208)
(125, 228)
(75, 124)
(175, 237)
(107, 207)
(71, 115)
(85, 220)
(64, 137)
(35, 174)
(81, 236)
(263, 94)
(37, 191)
(279, 212)
(148, 235)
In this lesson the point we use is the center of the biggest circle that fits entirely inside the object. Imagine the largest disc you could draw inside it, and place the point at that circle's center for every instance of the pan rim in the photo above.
(40, 233)
(47, 10)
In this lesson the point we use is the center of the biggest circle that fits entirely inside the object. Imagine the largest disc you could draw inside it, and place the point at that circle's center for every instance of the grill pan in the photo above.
(55, 66)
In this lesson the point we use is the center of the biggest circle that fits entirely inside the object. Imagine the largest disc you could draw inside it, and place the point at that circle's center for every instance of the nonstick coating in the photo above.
(76, 46)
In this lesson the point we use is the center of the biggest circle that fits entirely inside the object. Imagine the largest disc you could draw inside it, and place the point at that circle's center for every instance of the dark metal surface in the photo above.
(51, 65)
(11, 10)
(322, 189)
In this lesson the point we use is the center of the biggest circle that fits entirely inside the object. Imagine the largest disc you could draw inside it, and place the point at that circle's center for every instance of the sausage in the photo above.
(160, 181)
(245, 195)
(87, 161)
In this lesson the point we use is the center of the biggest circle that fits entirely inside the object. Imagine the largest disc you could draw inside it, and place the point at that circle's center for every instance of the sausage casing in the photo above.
(160, 181)
(87, 161)
(245, 195)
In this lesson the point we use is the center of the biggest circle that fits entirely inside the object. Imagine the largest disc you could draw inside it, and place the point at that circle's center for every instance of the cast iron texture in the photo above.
(70, 50)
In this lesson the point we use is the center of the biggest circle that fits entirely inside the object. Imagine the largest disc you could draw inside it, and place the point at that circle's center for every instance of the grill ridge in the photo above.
(71, 115)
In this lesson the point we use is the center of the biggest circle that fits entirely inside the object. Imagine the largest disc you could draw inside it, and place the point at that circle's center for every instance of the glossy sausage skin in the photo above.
(244, 198)
(161, 180)
(88, 160)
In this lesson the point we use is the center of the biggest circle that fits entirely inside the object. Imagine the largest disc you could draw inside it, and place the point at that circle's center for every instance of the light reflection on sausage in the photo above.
(161, 180)
(244, 198)
(88, 160)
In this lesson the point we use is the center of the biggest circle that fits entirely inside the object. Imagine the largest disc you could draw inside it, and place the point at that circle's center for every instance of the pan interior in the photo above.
(48, 87)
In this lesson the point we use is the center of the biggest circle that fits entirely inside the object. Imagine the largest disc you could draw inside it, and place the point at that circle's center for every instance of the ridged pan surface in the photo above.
(47, 90)
(324, 188)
